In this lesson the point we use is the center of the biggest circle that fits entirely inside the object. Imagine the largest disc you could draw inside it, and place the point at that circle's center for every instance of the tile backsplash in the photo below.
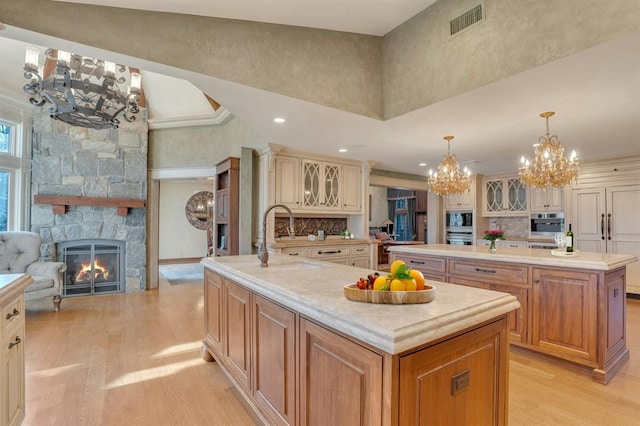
(310, 225)
(512, 226)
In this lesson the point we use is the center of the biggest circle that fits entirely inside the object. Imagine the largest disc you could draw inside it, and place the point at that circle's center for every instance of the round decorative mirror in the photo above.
(199, 210)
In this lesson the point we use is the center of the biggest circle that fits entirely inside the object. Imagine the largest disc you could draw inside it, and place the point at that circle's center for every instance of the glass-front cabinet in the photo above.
(504, 196)
(321, 182)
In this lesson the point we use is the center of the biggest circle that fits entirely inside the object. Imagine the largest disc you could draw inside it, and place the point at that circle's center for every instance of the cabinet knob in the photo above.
(536, 281)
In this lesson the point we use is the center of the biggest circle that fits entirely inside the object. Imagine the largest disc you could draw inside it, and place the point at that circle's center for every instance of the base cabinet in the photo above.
(570, 333)
(12, 372)
(294, 371)
(340, 381)
(274, 366)
(576, 315)
(457, 382)
(237, 342)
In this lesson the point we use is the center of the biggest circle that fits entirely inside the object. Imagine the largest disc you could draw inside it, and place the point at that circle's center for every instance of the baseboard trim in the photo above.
(180, 260)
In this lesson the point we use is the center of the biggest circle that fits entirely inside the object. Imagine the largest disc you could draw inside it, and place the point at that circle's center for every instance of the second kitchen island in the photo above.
(301, 353)
(571, 308)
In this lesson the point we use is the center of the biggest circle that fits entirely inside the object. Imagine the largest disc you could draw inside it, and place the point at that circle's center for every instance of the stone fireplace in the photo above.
(87, 164)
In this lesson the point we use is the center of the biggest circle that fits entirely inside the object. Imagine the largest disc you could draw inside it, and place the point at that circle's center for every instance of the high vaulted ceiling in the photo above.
(595, 93)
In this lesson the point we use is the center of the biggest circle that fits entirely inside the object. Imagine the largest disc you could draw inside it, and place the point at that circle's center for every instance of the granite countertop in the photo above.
(304, 242)
(10, 283)
(315, 290)
(536, 257)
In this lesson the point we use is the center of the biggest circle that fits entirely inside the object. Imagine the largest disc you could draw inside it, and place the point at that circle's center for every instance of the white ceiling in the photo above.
(595, 93)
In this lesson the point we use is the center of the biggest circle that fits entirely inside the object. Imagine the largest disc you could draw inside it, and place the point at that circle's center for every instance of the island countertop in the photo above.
(315, 290)
(536, 257)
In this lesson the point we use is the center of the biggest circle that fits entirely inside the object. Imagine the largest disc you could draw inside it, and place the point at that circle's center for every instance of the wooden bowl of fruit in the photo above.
(401, 286)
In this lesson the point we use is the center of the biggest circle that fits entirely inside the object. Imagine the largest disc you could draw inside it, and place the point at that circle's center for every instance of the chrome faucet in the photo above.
(263, 254)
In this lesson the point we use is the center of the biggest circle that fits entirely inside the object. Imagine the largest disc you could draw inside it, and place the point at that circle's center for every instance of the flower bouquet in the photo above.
(492, 235)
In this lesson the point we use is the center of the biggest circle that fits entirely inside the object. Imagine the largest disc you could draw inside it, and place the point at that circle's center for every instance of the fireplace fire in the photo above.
(92, 271)
(93, 266)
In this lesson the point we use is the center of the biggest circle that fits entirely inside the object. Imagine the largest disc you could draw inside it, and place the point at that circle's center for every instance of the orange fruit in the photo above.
(396, 265)
(381, 283)
(410, 284)
(397, 285)
(419, 277)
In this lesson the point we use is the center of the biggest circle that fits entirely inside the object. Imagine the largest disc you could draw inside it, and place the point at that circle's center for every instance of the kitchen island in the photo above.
(301, 353)
(572, 307)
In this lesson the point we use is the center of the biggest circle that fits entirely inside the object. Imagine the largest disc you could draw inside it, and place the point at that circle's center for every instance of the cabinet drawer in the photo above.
(12, 315)
(490, 272)
(327, 252)
(426, 265)
(360, 250)
(508, 243)
(295, 251)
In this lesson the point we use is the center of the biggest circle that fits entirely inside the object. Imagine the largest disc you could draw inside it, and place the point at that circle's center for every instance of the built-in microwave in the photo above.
(546, 224)
(462, 219)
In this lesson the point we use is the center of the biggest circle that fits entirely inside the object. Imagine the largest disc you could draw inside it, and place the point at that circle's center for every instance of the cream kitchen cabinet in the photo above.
(546, 200)
(308, 185)
(464, 201)
(352, 188)
(12, 332)
(321, 185)
(504, 196)
(288, 181)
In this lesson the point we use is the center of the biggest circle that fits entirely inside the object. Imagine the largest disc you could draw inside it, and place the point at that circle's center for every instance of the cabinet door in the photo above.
(237, 323)
(564, 313)
(13, 378)
(351, 188)
(589, 220)
(340, 381)
(312, 184)
(493, 196)
(288, 182)
(517, 320)
(222, 205)
(213, 313)
(274, 349)
(457, 381)
(464, 201)
(543, 200)
(360, 262)
(332, 180)
(516, 195)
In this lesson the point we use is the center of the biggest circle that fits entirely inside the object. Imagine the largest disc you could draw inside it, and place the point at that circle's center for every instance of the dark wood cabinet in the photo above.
(227, 232)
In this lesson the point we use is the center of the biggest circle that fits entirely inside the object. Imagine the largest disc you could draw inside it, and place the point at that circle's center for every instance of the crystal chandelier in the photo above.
(81, 91)
(449, 180)
(550, 167)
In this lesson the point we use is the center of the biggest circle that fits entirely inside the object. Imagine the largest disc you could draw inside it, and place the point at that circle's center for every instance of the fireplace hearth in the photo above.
(93, 266)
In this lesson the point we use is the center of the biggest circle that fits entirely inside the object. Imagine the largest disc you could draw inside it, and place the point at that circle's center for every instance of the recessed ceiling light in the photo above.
(279, 120)
(342, 150)
(422, 164)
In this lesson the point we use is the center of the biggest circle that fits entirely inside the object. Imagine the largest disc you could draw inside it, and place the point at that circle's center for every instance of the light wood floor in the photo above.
(134, 359)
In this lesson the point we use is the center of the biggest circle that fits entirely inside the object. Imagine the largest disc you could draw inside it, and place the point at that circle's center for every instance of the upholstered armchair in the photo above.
(19, 253)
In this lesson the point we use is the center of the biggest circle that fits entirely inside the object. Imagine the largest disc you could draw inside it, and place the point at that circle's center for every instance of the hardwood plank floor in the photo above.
(135, 359)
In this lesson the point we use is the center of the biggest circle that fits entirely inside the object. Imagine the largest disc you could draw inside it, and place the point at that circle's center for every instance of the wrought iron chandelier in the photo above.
(81, 91)
(449, 180)
(550, 168)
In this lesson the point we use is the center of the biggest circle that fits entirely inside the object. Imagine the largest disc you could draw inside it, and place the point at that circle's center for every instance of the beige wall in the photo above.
(207, 145)
(379, 205)
(415, 65)
(178, 239)
(423, 64)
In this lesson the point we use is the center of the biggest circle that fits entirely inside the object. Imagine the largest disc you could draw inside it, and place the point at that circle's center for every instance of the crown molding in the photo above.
(218, 117)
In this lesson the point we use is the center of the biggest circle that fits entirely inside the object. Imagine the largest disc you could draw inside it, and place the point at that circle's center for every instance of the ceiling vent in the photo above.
(467, 19)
